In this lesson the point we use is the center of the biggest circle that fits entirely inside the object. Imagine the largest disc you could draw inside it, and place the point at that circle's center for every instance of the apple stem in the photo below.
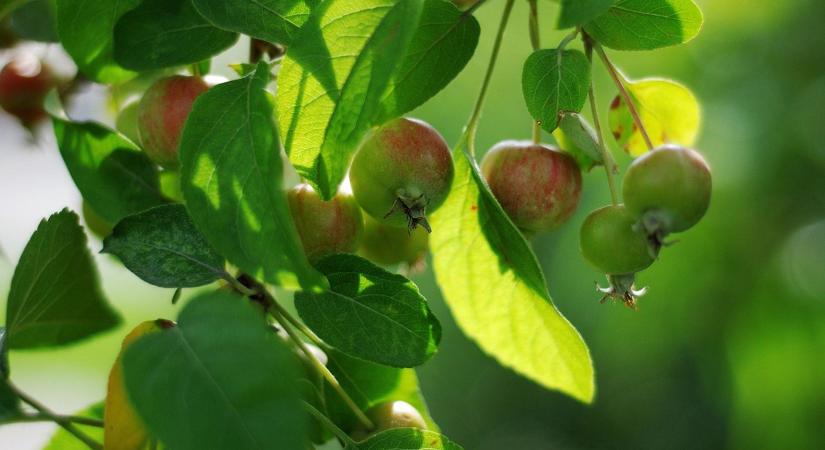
(472, 125)
(610, 167)
(617, 79)
(65, 422)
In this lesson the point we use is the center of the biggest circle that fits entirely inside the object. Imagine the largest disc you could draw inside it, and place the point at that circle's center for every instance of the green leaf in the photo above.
(114, 177)
(408, 439)
(231, 176)
(275, 21)
(370, 384)
(35, 21)
(441, 47)
(577, 137)
(669, 111)
(163, 247)
(219, 379)
(578, 12)
(63, 440)
(646, 24)
(497, 292)
(167, 33)
(370, 313)
(55, 297)
(553, 83)
(333, 80)
(86, 31)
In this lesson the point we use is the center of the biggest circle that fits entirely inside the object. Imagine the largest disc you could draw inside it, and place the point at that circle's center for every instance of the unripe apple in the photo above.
(389, 415)
(162, 114)
(668, 189)
(611, 241)
(325, 228)
(24, 83)
(388, 245)
(122, 428)
(402, 171)
(537, 185)
(127, 122)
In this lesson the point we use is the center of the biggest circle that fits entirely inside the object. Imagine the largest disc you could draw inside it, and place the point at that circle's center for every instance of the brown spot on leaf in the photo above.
(616, 103)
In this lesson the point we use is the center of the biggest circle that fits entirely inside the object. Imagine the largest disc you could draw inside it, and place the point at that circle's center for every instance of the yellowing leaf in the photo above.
(668, 110)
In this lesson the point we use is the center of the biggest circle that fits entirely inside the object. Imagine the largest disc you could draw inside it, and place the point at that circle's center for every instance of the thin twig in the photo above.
(607, 158)
(535, 41)
(329, 425)
(56, 418)
(322, 369)
(472, 125)
(258, 292)
(40, 417)
(614, 74)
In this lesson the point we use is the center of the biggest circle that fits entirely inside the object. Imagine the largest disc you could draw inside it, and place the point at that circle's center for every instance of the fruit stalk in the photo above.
(535, 41)
(614, 74)
(472, 125)
(322, 369)
(608, 162)
(258, 292)
(63, 421)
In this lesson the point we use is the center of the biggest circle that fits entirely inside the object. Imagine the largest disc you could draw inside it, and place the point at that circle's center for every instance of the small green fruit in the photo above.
(389, 415)
(611, 242)
(403, 170)
(668, 189)
(388, 245)
(127, 122)
(325, 228)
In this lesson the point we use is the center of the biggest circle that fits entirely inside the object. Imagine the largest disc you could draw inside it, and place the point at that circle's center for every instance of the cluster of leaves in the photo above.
(221, 378)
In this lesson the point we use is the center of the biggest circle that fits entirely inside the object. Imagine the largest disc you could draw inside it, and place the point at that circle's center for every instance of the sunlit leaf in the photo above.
(442, 45)
(220, 379)
(275, 21)
(555, 82)
(497, 293)
(668, 110)
(333, 79)
(55, 296)
(646, 24)
(578, 12)
(231, 176)
(370, 313)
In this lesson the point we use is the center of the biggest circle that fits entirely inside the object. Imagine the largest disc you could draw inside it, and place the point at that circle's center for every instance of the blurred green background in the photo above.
(727, 350)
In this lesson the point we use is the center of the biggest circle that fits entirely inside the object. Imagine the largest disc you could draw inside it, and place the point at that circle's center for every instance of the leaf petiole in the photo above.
(472, 125)
(608, 162)
(62, 421)
(330, 425)
(617, 79)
